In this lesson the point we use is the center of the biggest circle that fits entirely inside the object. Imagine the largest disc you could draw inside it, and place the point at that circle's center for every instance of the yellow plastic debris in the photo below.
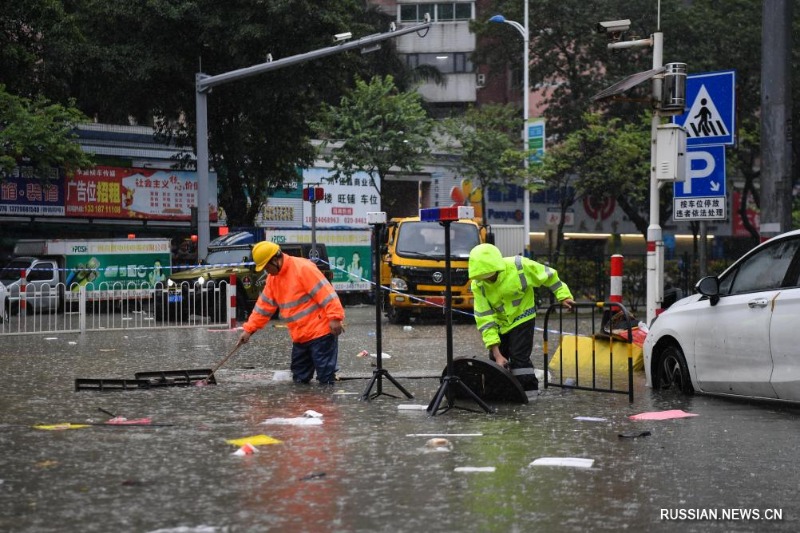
(255, 440)
(60, 427)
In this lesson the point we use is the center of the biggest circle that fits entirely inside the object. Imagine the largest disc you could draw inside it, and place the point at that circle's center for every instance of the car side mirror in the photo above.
(709, 286)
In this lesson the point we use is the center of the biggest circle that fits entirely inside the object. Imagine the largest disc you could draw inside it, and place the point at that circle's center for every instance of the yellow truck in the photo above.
(413, 266)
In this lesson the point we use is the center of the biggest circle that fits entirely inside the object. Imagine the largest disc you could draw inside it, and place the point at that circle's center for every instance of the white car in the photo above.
(740, 335)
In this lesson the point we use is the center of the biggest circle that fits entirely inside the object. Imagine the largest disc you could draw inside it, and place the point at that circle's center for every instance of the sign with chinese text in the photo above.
(136, 193)
(346, 201)
(703, 195)
(26, 194)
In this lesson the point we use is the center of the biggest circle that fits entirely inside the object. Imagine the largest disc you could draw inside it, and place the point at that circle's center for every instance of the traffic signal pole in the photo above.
(204, 83)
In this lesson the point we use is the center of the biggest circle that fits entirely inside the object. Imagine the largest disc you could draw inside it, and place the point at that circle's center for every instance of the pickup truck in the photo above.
(202, 290)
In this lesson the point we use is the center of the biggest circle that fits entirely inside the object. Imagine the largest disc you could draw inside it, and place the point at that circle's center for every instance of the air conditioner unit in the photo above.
(480, 80)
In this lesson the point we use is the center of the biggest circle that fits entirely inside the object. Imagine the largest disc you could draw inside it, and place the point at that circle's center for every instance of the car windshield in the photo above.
(13, 271)
(426, 239)
(228, 257)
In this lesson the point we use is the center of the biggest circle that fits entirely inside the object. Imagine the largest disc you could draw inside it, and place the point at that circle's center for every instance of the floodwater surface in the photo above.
(367, 466)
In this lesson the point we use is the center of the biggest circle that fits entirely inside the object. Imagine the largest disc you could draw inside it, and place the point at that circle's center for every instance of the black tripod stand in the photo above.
(379, 371)
(451, 379)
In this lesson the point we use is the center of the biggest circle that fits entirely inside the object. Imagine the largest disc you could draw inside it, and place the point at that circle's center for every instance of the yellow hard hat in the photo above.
(263, 252)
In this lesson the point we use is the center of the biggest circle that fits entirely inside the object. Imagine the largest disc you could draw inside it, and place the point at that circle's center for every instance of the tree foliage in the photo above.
(377, 129)
(487, 139)
(571, 62)
(39, 134)
(136, 62)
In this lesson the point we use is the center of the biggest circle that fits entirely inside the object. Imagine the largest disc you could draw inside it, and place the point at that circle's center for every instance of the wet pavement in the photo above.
(367, 466)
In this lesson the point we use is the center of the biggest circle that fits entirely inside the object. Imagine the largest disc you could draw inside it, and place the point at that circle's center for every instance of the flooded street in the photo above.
(367, 466)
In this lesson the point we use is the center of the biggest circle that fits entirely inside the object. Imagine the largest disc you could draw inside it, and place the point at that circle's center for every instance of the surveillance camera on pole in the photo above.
(342, 37)
(614, 28)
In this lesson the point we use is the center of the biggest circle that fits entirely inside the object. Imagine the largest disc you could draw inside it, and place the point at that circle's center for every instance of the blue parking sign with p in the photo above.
(711, 109)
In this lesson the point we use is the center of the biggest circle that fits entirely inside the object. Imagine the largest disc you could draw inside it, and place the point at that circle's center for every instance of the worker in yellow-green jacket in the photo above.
(505, 306)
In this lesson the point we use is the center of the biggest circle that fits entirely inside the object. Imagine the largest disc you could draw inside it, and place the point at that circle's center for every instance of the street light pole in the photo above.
(524, 30)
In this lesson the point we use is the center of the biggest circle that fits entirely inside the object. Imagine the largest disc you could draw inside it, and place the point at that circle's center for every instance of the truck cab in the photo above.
(201, 290)
(37, 279)
(413, 266)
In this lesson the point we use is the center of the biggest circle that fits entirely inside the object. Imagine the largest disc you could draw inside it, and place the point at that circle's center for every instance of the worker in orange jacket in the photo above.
(309, 305)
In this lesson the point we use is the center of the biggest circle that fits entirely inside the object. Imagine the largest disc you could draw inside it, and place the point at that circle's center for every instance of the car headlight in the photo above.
(170, 283)
(201, 280)
(398, 284)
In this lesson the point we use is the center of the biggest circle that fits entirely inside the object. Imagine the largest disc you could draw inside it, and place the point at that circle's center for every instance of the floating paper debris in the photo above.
(411, 407)
(312, 414)
(297, 421)
(255, 440)
(282, 375)
(474, 469)
(662, 415)
(590, 419)
(574, 462)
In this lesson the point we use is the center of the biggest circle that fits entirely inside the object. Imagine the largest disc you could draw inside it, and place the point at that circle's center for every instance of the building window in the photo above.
(446, 62)
(442, 12)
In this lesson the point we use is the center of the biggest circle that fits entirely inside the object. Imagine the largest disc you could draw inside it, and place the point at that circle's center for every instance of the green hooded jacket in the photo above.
(509, 300)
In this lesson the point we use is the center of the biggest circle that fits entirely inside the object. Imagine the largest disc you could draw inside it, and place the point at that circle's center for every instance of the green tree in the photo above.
(487, 139)
(376, 129)
(40, 134)
(142, 66)
(606, 158)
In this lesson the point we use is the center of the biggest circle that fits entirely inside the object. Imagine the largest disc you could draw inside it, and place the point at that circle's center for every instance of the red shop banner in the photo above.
(136, 193)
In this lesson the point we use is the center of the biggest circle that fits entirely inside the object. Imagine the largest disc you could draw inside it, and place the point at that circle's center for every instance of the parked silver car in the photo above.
(740, 334)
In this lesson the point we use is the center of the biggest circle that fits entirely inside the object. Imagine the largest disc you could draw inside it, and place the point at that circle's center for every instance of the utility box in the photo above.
(510, 239)
(671, 153)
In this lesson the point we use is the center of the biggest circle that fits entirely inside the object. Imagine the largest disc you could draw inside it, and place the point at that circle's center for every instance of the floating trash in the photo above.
(309, 418)
(662, 415)
(590, 419)
(255, 440)
(282, 375)
(474, 469)
(444, 435)
(573, 462)
(61, 427)
(439, 444)
(411, 407)
(634, 434)
(246, 449)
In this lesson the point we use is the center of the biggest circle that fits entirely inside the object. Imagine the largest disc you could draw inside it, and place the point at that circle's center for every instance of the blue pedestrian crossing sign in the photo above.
(709, 119)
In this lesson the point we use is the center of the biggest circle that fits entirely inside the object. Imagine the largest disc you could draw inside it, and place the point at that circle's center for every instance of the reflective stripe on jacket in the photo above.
(306, 300)
(510, 300)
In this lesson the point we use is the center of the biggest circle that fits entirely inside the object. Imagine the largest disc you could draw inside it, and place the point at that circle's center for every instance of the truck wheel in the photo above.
(396, 316)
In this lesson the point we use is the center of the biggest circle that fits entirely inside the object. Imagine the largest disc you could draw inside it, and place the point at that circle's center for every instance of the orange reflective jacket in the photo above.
(306, 300)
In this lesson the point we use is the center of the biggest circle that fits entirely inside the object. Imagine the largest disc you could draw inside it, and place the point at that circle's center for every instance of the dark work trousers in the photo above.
(516, 345)
(319, 354)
